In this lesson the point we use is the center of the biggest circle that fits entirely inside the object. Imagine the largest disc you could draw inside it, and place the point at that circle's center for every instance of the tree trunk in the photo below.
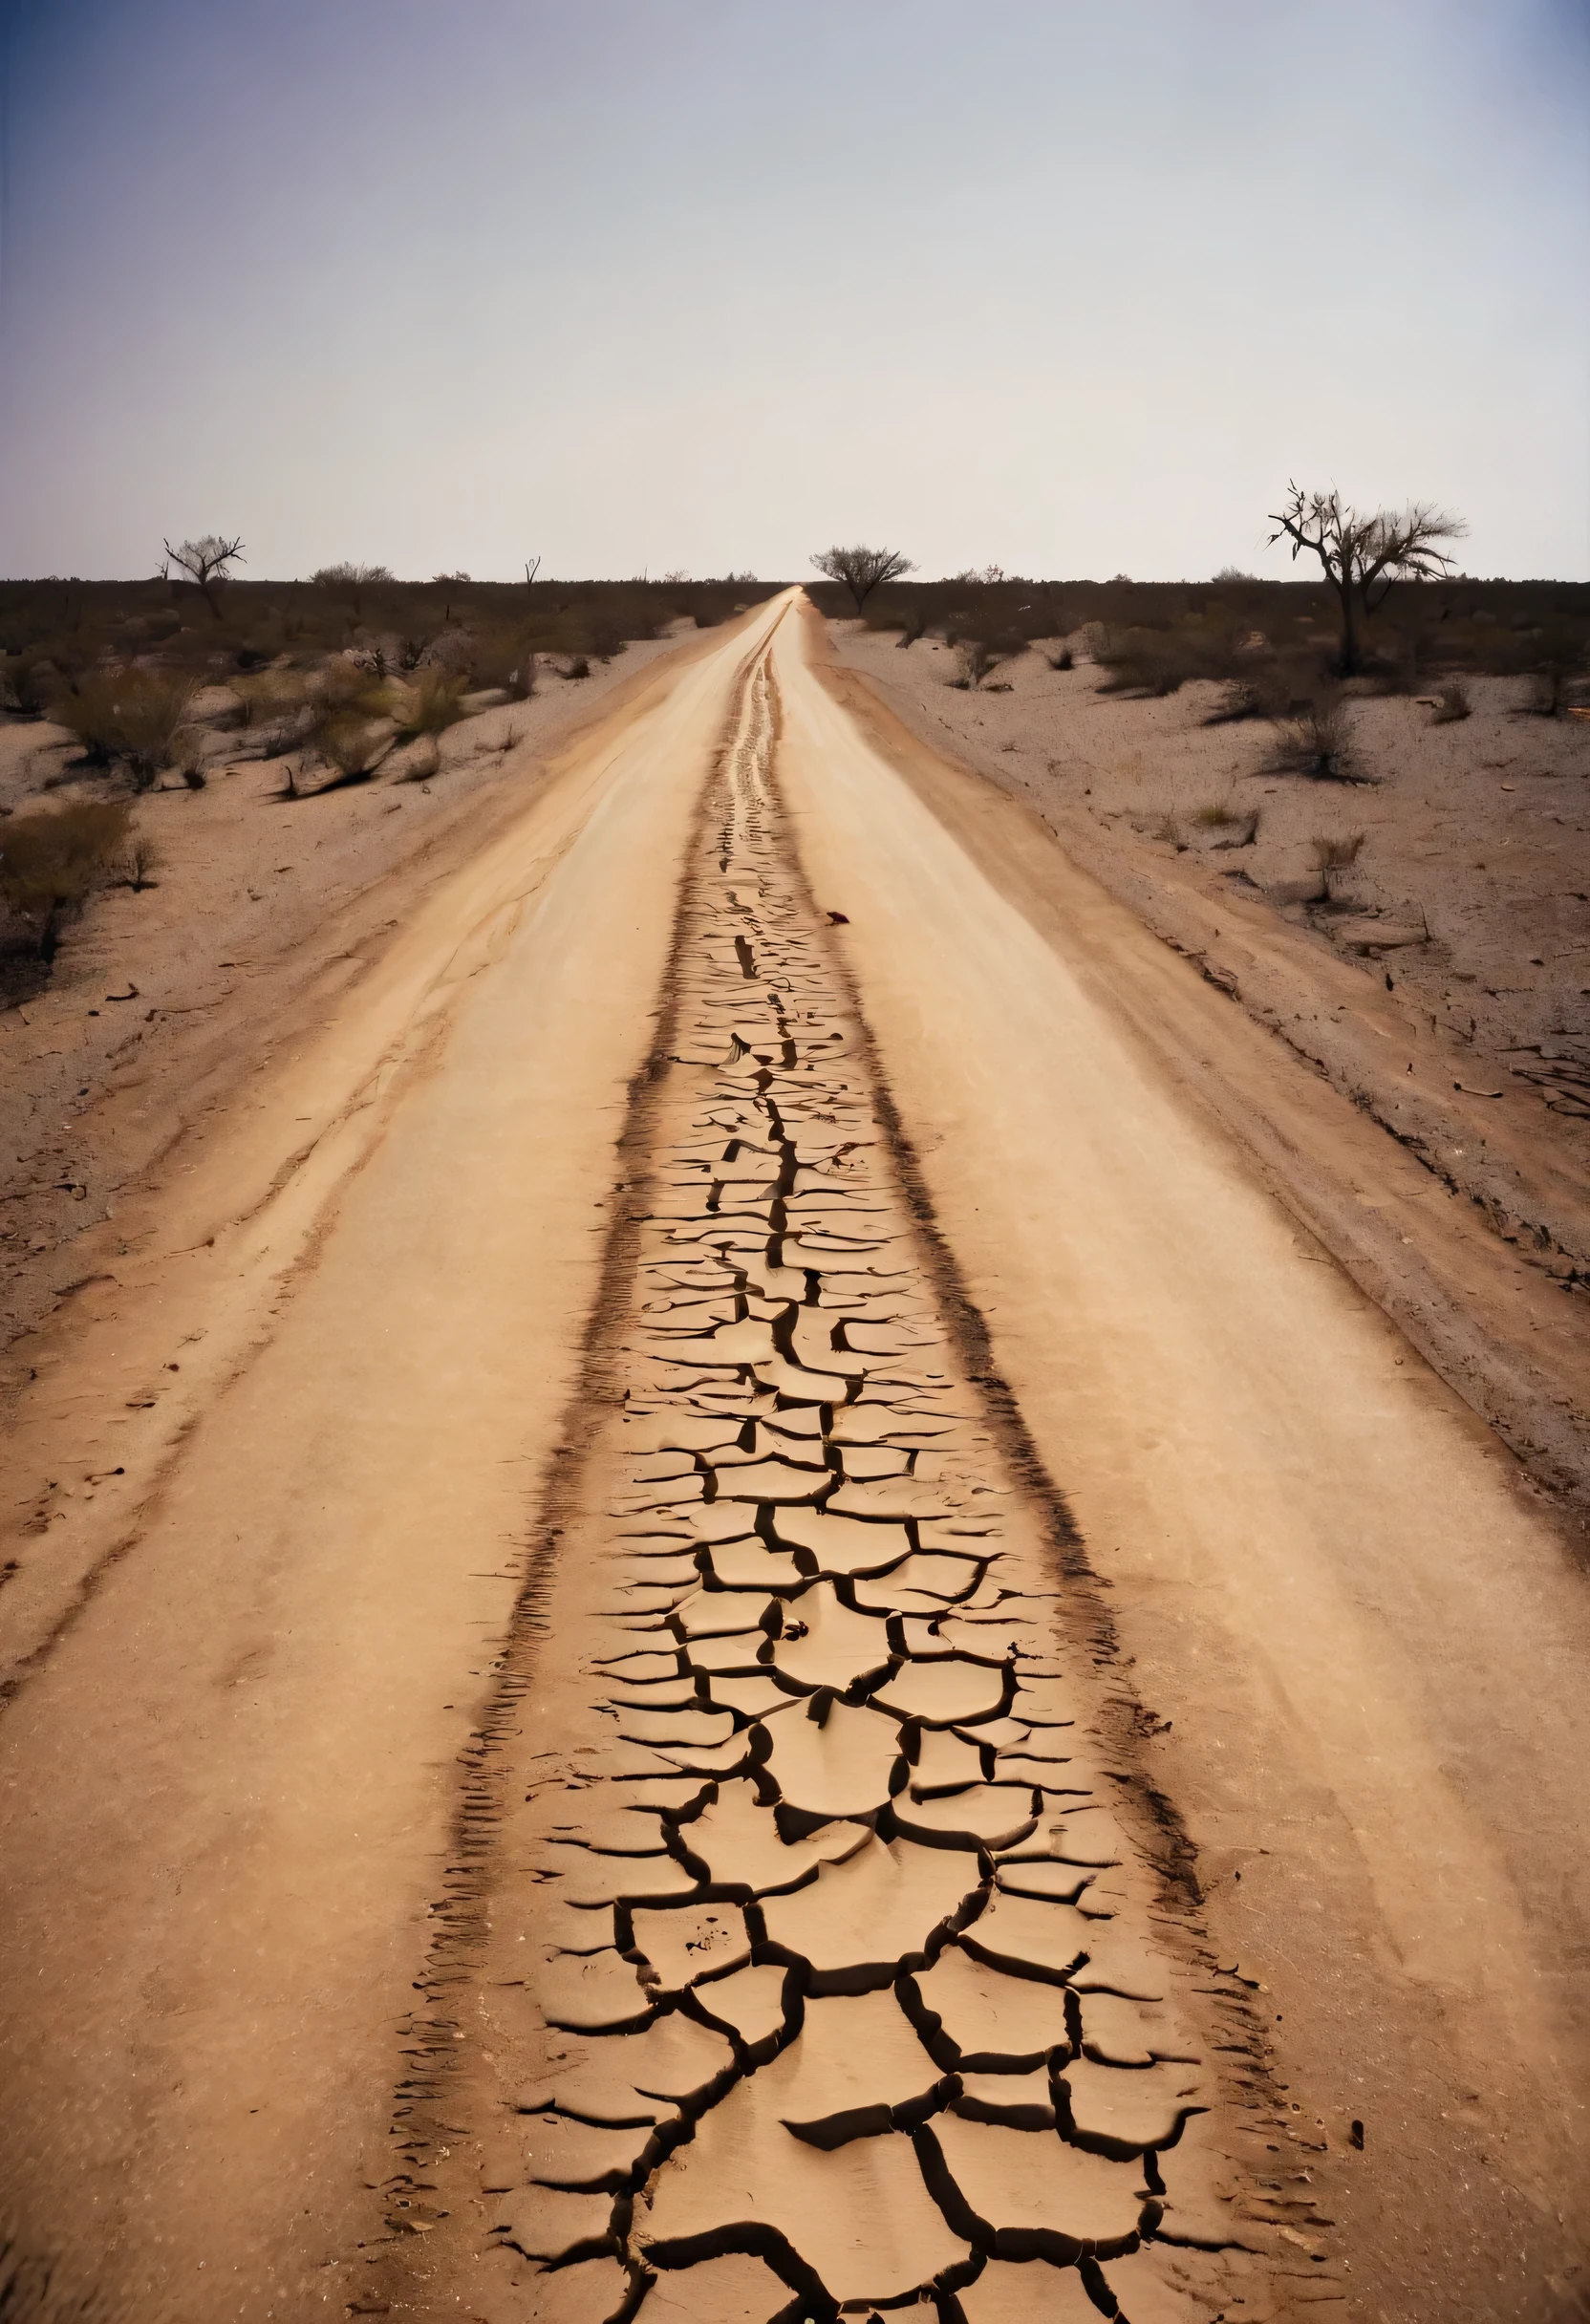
(1352, 643)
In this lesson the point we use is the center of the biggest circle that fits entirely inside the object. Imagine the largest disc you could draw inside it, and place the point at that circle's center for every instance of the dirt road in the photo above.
(722, 1621)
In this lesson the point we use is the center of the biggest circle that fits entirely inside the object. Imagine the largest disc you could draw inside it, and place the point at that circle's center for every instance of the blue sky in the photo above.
(706, 284)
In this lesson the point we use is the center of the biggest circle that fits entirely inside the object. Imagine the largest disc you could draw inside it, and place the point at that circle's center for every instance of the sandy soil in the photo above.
(1467, 1049)
(265, 912)
(756, 1628)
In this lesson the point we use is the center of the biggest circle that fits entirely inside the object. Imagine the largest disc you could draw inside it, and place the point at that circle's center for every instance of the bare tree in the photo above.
(205, 562)
(861, 570)
(1363, 555)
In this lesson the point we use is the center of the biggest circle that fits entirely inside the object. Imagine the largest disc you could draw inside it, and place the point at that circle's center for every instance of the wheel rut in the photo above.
(805, 1952)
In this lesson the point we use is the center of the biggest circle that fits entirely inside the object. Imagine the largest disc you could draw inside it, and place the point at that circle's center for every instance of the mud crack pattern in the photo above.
(824, 1978)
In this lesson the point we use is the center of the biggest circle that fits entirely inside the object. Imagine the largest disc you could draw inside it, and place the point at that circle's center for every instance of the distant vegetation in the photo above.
(1273, 647)
(119, 661)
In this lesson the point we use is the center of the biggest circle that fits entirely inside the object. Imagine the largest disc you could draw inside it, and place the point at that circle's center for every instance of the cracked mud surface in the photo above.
(822, 1969)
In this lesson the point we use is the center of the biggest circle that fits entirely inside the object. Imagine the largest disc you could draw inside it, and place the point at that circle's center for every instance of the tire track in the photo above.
(820, 1970)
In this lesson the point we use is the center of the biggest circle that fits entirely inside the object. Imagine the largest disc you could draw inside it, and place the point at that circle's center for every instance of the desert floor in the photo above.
(789, 1529)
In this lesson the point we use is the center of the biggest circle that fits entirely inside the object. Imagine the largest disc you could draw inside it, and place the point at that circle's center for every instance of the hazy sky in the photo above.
(1073, 285)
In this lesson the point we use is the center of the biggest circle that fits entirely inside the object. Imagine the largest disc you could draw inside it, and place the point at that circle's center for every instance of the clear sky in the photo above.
(1071, 286)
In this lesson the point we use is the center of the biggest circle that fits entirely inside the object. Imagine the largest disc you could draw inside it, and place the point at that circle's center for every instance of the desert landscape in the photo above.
(794, 1339)
(818, 1439)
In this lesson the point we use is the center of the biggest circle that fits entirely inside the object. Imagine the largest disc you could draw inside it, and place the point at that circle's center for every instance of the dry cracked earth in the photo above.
(829, 1958)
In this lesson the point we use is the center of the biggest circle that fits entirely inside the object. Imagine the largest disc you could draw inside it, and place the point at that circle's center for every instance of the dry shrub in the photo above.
(54, 857)
(578, 666)
(452, 649)
(350, 741)
(977, 656)
(350, 576)
(505, 657)
(1061, 659)
(129, 714)
(348, 721)
(270, 697)
(141, 859)
(1142, 661)
(428, 702)
(1337, 854)
(1269, 686)
(1454, 703)
(1226, 825)
(1317, 743)
(347, 685)
(30, 680)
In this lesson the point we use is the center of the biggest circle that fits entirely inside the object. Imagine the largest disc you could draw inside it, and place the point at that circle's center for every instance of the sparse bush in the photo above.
(129, 714)
(30, 680)
(1062, 658)
(452, 649)
(267, 696)
(1317, 743)
(52, 859)
(1267, 689)
(972, 660)
(427, 703)
(1454, 703)
(347, 685)
(140, 860)
(910, 619)
(578, 666)
(350, 741)
(348, 719)
(348, 575)
(1142, 661)
(1227, 826)
(505, 658)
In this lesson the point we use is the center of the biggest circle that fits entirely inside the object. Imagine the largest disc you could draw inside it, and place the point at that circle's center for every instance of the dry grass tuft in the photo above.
(1336, 855)
(427, 703)
(1454, 703)
(130, 716)
(53, 858)
(1317, 743)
